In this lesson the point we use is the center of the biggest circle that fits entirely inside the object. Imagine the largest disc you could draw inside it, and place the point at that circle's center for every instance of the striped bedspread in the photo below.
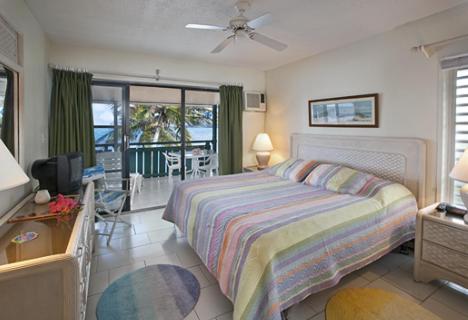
(271, 242)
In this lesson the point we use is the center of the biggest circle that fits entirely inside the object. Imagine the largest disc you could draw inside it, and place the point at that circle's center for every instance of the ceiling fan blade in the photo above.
(204, 26)
(269, 42)
(223, 44)
(260, 21)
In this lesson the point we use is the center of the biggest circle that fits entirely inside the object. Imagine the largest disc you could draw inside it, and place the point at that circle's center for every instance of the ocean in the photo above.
(200, 133)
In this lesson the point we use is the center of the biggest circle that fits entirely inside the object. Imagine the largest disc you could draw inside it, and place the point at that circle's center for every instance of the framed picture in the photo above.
(353, 111)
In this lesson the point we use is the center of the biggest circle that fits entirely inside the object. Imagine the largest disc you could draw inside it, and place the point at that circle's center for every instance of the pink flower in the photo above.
(62, 205)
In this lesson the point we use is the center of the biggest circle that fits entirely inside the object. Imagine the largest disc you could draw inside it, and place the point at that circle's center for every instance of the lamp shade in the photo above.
(460, 170)
(262, 143)
(11, 174)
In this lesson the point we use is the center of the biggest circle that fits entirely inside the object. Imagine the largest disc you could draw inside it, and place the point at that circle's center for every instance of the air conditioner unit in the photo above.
(254, 101)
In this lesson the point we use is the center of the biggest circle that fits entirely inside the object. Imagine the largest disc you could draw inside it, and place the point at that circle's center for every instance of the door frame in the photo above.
(125, 85)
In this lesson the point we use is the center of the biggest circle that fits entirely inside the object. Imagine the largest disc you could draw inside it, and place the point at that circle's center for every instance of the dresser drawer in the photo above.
(445, 235)
(451, 260)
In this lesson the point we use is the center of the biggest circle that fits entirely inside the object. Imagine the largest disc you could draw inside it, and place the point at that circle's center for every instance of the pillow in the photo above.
(342, 179)
(293, 169)
(374, 185)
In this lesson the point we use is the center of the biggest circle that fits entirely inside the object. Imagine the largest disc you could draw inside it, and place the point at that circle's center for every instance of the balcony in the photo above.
(148, 160)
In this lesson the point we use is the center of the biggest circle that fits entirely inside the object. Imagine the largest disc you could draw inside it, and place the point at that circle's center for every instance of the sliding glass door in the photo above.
(201, 132)
(109, 108)
(155, 122)
(163, 134)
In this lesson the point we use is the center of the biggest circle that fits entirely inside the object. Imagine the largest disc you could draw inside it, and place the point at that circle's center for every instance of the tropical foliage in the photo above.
(151, 123)
(162, 123)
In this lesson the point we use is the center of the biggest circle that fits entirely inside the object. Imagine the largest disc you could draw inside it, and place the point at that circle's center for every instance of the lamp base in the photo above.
(262, 160)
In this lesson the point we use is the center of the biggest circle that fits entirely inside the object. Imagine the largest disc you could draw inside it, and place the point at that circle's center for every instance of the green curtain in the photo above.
(8, 114)
(230, 130)
(71, 115)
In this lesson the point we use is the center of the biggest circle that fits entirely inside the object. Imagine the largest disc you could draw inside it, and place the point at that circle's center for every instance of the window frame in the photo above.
(447, 135)
(125, 85)
(115, 127)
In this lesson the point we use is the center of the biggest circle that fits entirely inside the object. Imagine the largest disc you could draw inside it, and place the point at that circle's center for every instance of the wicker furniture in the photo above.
(441, 247)
(46, 278)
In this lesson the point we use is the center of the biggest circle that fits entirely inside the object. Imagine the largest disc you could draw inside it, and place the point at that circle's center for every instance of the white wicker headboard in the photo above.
(400, 160)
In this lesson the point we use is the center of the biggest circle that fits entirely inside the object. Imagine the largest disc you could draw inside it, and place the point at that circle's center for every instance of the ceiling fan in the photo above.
(240, 26)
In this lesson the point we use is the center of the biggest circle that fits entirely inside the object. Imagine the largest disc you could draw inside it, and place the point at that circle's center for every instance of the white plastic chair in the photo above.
(199, 164)
(210, 166)
(172, 163)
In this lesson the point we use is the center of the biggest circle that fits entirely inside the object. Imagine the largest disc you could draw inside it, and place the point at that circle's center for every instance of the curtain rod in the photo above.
(425, 48)
(156, 77)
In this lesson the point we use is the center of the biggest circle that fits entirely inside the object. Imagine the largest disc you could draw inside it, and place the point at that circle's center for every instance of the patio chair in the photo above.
(172, 162)
(112, 163)
(110, 202)
(113, 193)
(209, 166)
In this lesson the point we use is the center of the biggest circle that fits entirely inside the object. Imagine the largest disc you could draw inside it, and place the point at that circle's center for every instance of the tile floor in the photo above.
(154, 192)
(151, 240)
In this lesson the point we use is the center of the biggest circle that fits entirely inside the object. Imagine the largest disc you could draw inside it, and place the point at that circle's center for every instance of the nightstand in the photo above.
(441, 247)
(251, 169)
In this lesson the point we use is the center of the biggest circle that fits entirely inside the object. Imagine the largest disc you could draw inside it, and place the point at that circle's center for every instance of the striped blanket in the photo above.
(271, 242)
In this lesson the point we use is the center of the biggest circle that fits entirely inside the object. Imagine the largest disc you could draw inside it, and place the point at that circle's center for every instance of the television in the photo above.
(60, 174)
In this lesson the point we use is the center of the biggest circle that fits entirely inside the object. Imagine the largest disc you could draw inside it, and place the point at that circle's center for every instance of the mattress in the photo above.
(271, 242)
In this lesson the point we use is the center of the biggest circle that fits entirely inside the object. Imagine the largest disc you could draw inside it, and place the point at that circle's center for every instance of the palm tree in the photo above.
(162, 123)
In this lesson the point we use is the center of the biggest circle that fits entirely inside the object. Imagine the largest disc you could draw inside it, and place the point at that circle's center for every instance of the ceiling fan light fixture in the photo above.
(242, 27)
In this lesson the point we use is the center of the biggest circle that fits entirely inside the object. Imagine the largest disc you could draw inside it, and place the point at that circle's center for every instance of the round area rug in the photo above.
(157, 292)
(375, 304)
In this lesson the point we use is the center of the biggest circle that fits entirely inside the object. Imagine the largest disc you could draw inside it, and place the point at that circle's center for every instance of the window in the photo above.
(155, 117)
(154, 122)
(107, 117)
(3, 85)
(201, 118)
(199, 121)
(460, 91)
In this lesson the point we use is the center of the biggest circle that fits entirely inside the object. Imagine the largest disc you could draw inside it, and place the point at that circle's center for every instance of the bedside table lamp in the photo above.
(460, 173)
(263, 146)
(11, 174)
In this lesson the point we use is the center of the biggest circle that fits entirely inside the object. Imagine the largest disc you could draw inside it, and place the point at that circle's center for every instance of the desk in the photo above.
(47, 278)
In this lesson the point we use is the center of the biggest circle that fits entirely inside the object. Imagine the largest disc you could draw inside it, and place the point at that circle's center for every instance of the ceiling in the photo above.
(157, 26)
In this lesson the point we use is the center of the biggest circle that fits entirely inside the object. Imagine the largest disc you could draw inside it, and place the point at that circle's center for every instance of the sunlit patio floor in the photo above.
(154, 192)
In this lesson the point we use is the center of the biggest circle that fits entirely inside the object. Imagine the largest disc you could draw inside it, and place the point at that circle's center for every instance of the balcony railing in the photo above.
(148, 158)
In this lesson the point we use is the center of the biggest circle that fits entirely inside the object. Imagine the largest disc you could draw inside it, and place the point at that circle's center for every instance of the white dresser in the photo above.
(47, 278)
(441, 247)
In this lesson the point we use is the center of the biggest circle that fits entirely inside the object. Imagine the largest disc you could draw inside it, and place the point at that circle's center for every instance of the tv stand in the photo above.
(47, 278)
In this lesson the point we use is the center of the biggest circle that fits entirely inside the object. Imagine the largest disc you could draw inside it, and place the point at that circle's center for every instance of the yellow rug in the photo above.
(375, 304)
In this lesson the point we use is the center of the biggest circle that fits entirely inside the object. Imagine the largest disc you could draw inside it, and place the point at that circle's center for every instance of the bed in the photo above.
(270, 242)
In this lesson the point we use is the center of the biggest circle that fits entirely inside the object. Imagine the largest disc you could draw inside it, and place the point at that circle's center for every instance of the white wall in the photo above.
(137, 63)
(36, 92)
(407, 82)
